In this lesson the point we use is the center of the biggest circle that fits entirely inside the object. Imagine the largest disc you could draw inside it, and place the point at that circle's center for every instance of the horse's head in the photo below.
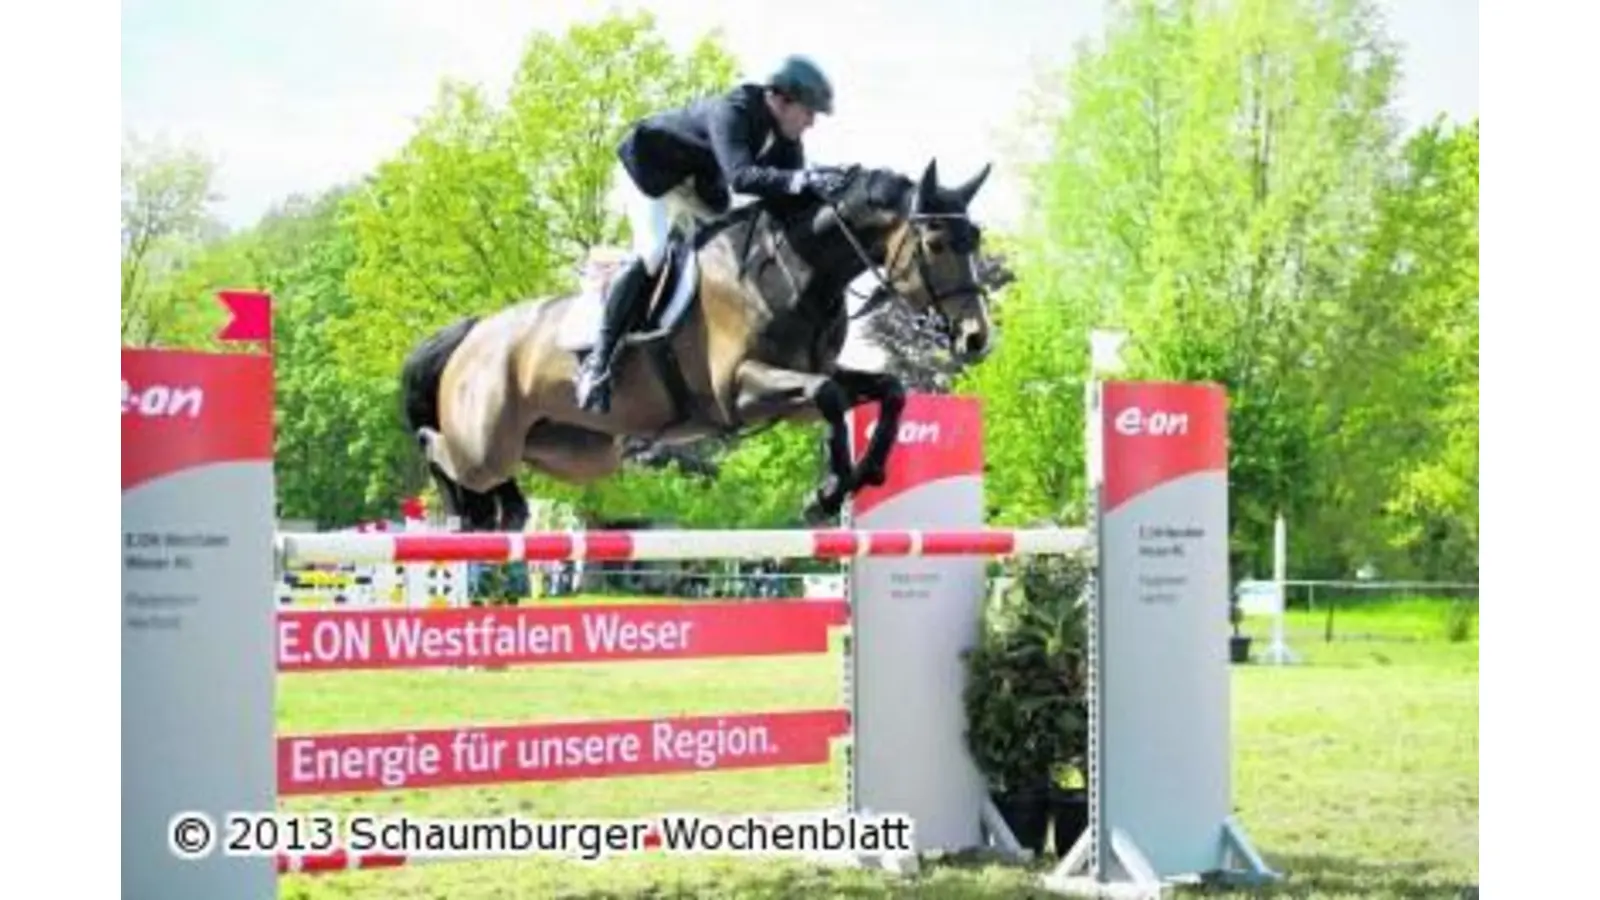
(920, 235)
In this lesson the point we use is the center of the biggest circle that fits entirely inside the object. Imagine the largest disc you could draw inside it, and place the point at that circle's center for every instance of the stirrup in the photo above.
(597, 399)
(593, 387)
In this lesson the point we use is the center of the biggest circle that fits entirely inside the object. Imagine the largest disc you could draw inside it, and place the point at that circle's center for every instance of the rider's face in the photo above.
(793, 118)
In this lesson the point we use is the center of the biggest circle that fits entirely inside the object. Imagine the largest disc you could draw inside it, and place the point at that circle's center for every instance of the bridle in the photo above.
(916, 222)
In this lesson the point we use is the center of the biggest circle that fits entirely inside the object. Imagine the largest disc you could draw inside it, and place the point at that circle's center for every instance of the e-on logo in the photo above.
(911, 432)
(162, 400)
(1133, 421)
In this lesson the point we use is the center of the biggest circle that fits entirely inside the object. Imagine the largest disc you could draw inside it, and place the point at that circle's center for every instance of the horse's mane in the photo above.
(885, 189)
(740, 215)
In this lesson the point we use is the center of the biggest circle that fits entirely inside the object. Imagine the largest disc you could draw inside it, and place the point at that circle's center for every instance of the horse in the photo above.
(744, 328)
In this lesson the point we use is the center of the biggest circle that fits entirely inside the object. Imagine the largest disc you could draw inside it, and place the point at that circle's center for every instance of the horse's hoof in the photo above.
(818, 512)
(873, 476)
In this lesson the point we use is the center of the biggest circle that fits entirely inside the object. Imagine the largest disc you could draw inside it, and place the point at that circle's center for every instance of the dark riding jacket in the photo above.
(722, 142)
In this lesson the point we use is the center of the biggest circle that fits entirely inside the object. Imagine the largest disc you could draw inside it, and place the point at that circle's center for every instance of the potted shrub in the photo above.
(1069, 804)
(1059, 584)
(1005, 734)
(1024, 695)
(1238, 644)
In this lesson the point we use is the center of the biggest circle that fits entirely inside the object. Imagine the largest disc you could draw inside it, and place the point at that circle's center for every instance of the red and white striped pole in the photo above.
(553, 546)
(341, 861)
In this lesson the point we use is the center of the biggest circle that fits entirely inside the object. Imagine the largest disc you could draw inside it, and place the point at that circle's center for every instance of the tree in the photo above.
(166, 220)
(1418, 400)
(1212, 186)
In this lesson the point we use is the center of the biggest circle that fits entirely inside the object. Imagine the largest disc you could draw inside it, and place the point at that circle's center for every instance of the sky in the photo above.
(295, 96)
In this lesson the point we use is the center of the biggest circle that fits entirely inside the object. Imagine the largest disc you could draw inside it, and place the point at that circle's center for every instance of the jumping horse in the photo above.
(744, 330)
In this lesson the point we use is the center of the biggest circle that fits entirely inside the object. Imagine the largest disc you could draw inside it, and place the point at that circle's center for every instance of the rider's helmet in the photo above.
(799, 79)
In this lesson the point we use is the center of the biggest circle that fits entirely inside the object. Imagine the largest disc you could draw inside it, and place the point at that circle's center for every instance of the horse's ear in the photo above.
(969, 190)
(928, 190)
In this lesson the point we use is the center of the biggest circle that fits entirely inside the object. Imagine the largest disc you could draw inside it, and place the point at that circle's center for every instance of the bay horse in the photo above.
(746, 323)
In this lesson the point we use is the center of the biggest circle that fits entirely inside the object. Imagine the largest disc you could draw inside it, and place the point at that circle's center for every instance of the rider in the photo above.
(684, 163)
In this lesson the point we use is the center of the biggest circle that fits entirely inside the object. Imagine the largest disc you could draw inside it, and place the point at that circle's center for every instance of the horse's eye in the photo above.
(966, 240)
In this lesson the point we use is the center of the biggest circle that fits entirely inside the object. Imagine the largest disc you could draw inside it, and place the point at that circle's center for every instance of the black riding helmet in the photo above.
(799, 79)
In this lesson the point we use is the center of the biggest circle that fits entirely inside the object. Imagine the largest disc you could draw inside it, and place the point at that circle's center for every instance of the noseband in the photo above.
(916, 221)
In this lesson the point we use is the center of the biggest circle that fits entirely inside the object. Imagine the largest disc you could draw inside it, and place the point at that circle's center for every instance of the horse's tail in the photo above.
(422, 371)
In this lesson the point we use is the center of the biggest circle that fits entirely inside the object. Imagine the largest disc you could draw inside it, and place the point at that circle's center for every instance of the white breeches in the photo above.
(651, 218)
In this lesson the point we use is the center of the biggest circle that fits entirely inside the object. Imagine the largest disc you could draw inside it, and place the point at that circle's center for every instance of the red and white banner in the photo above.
(325, 640)
(563, 751)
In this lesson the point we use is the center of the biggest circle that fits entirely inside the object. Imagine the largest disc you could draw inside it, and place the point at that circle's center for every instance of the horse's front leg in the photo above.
(767, 392)
(891, 396)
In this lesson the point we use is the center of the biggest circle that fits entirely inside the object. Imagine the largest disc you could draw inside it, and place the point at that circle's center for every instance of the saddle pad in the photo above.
(581, 321)
(580, 324)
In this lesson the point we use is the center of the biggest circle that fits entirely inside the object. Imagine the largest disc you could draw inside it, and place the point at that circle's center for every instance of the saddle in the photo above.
(671, 295)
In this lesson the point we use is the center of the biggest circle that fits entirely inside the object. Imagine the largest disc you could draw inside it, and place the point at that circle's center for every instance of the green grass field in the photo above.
(1356, 772)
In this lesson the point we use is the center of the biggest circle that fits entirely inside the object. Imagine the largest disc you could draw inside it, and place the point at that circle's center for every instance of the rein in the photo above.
(878, 298)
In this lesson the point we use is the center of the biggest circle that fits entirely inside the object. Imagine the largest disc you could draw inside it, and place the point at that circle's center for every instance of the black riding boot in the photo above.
(622, 308)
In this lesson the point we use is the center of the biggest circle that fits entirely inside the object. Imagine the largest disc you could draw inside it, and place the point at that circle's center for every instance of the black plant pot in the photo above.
(1069, 817)
(1239, 648)
(1027, 814)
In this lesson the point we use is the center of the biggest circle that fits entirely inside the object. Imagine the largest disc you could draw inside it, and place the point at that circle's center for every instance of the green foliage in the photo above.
(167, 299)
(1025, 697)
(448, 227)
(572, 98)
(1227, 186)
(759, 486)
(1461, 621)
(1427, 266)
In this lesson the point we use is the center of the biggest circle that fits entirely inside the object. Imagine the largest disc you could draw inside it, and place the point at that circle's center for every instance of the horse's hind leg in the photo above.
(572, 454)
(513, 506)
(477, 511)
